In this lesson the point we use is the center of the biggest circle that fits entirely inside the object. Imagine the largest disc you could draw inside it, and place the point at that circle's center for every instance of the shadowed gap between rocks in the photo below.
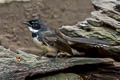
(80, 70)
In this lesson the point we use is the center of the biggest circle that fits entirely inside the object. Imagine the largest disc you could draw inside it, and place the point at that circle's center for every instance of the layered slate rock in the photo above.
(104, 24)
(21, 65)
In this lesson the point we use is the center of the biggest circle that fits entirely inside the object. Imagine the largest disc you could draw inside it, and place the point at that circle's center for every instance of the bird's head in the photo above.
(36, 25)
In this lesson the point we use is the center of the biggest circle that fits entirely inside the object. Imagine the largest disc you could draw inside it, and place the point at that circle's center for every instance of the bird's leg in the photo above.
(44, 41)
(56, 57)
(44, 48)
(57, 54)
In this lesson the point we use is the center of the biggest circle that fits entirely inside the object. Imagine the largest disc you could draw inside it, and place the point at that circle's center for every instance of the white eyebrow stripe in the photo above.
(32, 30)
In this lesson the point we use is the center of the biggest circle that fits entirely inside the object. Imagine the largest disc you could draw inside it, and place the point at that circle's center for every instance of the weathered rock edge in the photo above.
(104, 24)
(13, 69)
(17, 66)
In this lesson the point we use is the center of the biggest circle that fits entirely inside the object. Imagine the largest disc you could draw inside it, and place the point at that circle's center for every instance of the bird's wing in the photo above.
(54, 39)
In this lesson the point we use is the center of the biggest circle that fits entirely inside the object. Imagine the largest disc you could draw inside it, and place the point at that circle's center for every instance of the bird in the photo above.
(47, 39)
(54, 41)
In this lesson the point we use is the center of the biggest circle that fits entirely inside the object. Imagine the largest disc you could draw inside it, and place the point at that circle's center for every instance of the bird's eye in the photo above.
(30, 22)
(36, 26)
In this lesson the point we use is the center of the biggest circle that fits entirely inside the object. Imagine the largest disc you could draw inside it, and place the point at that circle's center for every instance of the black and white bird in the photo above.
(53, 41)
(48, 40)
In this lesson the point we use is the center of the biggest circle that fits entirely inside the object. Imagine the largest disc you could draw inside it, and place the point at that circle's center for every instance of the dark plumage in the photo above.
(54, 40)
(38, 25)
(46, 37)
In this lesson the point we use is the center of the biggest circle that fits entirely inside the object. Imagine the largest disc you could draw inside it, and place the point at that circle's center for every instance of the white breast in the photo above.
(32, 30)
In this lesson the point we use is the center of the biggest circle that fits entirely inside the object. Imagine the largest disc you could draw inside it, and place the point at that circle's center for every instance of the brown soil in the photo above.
(14, 35)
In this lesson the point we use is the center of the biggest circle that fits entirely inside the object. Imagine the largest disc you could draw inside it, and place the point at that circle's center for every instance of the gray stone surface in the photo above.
(30, 65)
(103, 25)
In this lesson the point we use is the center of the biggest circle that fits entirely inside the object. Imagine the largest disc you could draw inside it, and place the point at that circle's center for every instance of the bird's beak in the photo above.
(27, 23)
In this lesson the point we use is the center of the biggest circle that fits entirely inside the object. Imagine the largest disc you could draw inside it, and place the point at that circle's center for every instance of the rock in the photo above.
(94, 22)
(117, 7)
(106, 20)
(18, 66)
(101, 33)
(62, 76)
(110, 9)
(32, 50)
(102, 1)
(103, 25)
(93, 34)
(102, 77)
(114, 52)
(105, 73)
(68, 30)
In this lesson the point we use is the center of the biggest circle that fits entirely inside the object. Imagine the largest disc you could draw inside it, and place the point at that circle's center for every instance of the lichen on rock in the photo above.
(29, 65)
(103, 25)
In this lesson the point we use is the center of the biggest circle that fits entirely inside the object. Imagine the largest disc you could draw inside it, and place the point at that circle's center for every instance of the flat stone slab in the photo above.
(109, 9)
(17, 66)
(106, 19)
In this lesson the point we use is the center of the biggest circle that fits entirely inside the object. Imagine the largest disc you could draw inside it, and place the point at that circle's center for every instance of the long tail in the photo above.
(81, 40)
